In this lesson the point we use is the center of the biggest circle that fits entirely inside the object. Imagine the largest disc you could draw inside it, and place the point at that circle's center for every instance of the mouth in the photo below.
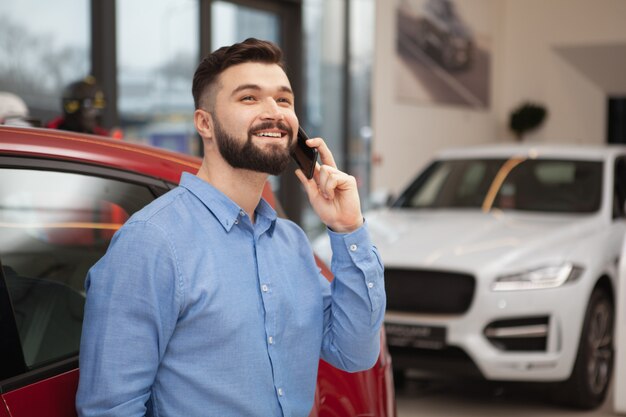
(270, 133)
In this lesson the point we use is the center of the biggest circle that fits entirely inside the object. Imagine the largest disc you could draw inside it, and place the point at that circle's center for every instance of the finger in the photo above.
(326, 156)
(331, 184)
(316, 172)
(310, 187)
(324, 174)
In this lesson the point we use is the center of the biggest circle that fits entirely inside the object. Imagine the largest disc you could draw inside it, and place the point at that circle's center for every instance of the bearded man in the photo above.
(206, 303)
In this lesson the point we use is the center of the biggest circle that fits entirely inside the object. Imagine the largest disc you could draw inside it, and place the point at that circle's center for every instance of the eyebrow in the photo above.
(242, 87)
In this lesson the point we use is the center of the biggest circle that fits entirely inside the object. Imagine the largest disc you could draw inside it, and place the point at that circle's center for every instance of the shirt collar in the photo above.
(225, 210)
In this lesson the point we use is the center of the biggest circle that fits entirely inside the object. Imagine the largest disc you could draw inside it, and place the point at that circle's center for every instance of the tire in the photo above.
(587, 386)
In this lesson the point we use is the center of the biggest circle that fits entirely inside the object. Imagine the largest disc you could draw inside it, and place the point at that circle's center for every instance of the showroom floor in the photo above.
(481, 399)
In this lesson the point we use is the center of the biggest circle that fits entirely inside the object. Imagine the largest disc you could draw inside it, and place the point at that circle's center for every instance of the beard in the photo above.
(247, 155)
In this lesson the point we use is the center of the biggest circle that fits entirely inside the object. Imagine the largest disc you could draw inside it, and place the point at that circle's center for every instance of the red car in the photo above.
(62, 196)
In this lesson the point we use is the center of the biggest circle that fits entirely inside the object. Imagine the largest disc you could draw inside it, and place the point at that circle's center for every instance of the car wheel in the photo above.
(587, 386)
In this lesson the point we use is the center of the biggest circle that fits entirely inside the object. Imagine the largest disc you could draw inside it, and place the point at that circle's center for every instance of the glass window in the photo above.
(619, 195)
(431, 187)
(233, 23)
(472, 179)
(324, 29)
(53, 227)
(556, 172)
(557, 186)
(519, 184)
(325, 32)
(360, 117)
(324, 84)
(43, 47)
(157, 46)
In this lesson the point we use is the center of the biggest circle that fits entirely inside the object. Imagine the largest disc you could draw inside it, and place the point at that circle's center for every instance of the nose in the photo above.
(271, 110)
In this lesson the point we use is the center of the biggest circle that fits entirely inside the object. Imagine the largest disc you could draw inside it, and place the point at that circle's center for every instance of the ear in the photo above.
(204, 124)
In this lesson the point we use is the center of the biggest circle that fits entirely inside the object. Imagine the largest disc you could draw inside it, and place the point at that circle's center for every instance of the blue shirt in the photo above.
(196, 311)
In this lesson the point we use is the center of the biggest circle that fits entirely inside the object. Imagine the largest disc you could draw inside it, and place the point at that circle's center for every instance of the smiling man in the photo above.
(206, 303)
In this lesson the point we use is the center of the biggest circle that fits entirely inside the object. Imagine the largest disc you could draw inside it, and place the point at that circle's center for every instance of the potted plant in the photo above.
(528, 116)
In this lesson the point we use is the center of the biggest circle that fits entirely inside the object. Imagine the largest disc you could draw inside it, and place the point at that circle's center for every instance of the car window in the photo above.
(462, 184)
(619, 193)
(53, 227)
(555, 186)
(429, 191)
(516, 184)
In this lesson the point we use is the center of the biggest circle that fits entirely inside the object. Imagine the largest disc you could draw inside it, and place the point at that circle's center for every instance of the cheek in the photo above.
(292, 120)
(236, 122)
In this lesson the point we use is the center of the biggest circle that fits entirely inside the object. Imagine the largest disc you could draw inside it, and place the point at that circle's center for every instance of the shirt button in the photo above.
(270, 340)
(353, 247)
(280, 392)
(236, 221)
(370, 285)
(265, 288)
(242, 213)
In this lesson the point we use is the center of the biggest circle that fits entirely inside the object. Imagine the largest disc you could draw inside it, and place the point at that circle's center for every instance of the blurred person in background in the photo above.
(82, 102)
(14, 111)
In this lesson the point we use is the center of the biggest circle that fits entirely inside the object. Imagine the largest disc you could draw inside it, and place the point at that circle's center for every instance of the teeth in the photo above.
(269, 134)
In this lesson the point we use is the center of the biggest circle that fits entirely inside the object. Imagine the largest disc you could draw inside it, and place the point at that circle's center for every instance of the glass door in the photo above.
(231, 23)
(157, 50)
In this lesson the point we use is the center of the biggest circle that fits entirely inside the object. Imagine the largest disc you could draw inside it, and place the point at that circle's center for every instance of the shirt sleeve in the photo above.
(354, 304)
(133, 299)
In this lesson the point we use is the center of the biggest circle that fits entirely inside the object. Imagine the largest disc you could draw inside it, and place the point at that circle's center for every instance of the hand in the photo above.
(333, 194)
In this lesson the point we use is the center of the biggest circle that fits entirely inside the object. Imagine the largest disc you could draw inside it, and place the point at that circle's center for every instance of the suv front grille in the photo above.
(424, 291)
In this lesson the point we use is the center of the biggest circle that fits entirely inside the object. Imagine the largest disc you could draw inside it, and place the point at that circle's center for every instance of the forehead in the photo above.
(266, 76)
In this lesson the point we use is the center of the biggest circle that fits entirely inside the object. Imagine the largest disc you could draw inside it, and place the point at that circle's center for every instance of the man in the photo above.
(207, 304)
(82, 102)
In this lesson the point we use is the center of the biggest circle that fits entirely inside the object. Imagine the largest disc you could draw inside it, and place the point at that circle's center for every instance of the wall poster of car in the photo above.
(443, 52)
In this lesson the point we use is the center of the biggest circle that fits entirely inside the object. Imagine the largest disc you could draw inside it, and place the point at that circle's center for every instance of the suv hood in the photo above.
(470, 241)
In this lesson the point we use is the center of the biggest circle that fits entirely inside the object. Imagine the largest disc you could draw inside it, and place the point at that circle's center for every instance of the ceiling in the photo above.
(603, 64)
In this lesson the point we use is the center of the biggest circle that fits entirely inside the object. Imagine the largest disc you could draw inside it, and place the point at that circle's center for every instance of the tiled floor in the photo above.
(468, 399)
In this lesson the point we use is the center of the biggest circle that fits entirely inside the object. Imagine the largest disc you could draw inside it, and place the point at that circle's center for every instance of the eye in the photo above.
(248, 98)
(284, 100)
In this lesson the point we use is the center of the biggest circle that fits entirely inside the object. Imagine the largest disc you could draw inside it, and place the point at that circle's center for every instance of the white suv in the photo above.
(502, 261)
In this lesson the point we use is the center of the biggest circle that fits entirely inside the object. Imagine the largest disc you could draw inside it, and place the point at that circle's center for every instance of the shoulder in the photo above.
(157, 219)
(161, 209)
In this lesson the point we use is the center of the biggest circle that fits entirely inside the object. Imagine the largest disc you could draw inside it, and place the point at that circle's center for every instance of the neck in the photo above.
(242, 186)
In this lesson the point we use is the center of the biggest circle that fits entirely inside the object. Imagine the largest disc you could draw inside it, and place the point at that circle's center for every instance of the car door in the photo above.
(56, 220)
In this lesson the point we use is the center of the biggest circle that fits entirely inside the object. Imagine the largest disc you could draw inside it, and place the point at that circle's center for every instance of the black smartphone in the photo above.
(304, 156)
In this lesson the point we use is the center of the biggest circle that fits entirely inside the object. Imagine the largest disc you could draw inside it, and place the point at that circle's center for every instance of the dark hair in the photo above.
(250, 50)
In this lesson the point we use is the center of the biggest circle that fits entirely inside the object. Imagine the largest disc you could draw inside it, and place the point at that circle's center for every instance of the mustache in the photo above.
(272, 125)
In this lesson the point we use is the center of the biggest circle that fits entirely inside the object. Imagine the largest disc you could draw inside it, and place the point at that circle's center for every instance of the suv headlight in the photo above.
(545, 277)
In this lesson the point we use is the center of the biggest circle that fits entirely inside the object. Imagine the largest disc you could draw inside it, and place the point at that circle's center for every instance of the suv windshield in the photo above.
(548, 185)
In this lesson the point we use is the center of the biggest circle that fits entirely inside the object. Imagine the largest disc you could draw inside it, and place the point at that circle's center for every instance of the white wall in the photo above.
(406, 135)
(526, 65)
(534, 69)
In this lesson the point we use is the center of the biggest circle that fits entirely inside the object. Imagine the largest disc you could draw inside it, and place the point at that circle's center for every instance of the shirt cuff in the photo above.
(351, 247)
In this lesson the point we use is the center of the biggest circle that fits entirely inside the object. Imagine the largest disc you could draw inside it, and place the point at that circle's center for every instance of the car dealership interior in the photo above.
(488, 143)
